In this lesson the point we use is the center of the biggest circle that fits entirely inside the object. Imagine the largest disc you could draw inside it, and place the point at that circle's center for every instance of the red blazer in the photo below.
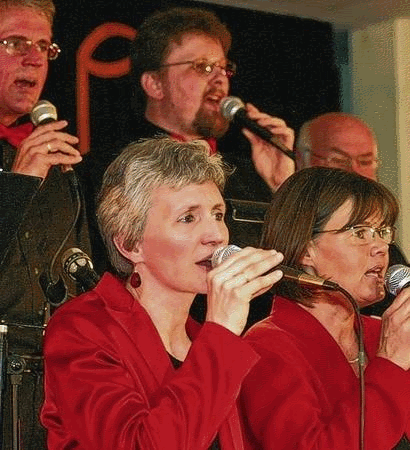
(303, 394)
(110, 385)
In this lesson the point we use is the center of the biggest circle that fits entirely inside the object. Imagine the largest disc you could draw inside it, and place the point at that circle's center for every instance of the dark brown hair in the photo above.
(304, 204)
(158, 31)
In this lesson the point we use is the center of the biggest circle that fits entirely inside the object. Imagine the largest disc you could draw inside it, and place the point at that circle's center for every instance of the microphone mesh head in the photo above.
(222, 253)
(230, 106)
(396, 277)
(43, 111)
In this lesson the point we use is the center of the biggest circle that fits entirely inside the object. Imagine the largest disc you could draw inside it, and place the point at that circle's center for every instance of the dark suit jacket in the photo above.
(38, 223)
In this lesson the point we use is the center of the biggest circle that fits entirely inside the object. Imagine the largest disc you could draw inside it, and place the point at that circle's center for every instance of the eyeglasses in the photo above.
(19, 46)
(207, 68)
(365, 234)
(345, 162)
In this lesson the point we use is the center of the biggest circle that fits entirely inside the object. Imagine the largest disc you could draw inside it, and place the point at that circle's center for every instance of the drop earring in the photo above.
(135, 280)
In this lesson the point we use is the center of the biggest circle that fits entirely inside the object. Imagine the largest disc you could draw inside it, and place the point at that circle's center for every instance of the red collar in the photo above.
(14, 135)
(211, 141)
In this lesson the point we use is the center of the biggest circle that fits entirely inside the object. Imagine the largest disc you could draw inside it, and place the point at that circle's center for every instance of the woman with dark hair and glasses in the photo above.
(304, 392)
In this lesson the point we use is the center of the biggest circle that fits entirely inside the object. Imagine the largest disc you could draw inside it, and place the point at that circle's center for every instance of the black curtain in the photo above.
(286, 65)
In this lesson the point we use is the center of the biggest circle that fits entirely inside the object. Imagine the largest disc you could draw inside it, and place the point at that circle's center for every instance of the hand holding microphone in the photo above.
(300, 277)
(234, 282)
(270, 138)
(263, 125)
(395, 335)
(47, 145)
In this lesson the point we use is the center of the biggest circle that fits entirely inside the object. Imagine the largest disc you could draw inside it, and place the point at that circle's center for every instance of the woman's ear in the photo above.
(152, 85)
(309, 257)
(134, 255)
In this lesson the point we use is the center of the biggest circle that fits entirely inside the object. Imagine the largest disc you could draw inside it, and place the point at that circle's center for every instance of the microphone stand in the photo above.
(3, 352)
(15, 369)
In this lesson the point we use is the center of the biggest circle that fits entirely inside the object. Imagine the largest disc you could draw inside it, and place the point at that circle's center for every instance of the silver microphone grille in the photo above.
(43, 111)
(229, 107)
(222, 253)
(396, 277)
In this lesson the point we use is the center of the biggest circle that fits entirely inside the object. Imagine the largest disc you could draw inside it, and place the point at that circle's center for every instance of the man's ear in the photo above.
(152, 85)
(135, 255)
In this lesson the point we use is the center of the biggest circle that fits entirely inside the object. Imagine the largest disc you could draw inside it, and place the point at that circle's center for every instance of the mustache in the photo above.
(216, 92)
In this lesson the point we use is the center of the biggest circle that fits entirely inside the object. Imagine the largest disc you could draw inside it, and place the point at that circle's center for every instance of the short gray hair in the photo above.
(126, 192)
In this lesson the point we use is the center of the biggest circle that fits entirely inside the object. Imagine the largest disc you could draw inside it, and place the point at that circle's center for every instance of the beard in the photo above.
(210, 124)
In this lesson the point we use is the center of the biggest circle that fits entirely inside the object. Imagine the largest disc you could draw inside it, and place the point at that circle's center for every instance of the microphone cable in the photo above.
(57, 288)
(42, 113)
(361, 363)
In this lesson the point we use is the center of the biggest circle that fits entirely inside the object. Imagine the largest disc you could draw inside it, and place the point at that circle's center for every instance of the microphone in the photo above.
(43, 112)
(397, 278)
(300, 277)
(233, 109)
(79, 267)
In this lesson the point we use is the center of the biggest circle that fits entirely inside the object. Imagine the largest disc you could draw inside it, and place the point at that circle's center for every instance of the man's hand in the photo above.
(270, 163)
(46, 146)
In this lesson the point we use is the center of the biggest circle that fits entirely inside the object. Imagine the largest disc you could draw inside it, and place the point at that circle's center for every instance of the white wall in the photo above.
(380, 82)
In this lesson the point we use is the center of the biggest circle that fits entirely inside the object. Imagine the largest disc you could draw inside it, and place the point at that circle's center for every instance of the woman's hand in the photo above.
(395, 333)
(235, 282)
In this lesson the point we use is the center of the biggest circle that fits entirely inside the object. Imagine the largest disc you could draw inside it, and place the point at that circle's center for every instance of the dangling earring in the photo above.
(135, 280)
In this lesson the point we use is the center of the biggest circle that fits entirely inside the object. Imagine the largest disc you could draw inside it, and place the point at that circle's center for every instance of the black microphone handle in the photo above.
(86, 277)
(243, 120)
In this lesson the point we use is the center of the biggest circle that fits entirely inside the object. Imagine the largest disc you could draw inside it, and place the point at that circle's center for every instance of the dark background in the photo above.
(286, 65)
